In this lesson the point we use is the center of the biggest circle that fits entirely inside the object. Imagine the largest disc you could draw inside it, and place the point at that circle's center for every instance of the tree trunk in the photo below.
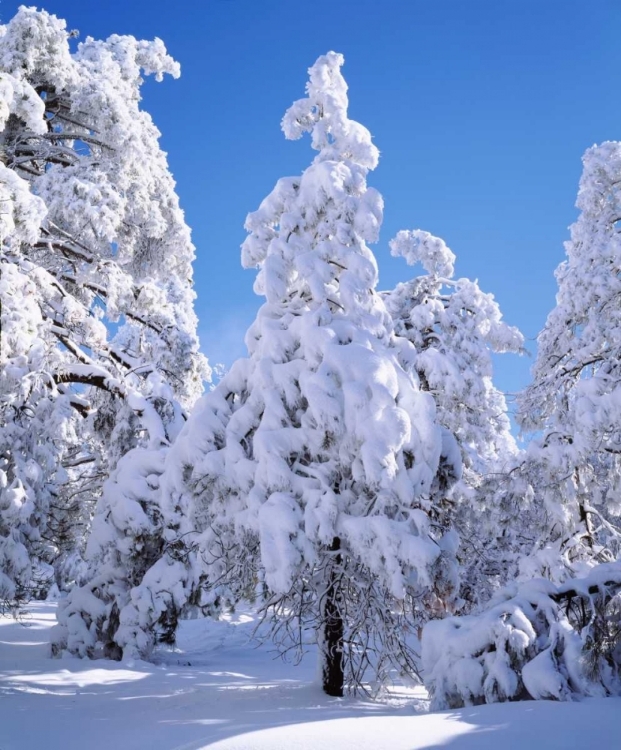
(332, 673)
(585, 516)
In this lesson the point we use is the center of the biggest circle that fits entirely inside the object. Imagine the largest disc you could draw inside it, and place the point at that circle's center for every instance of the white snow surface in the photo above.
(216, 690)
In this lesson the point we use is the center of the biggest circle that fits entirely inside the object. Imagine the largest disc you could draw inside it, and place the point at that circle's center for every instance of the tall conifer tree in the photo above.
(311, 467)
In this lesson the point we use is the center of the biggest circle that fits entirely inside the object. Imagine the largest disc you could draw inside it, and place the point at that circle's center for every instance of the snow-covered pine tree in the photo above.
(574, 401)
(559, 634)
(455, 328)
(107, 355)
(310, 467)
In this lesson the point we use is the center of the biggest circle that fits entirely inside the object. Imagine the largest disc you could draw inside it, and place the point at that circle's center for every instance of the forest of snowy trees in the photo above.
(354, 477)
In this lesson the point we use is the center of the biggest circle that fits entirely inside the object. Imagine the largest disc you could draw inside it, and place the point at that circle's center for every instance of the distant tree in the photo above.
(574, 402)
(99, 347)
(455, 328)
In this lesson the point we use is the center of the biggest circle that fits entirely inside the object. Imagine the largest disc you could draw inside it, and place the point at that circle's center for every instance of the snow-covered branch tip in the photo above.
(323, 114)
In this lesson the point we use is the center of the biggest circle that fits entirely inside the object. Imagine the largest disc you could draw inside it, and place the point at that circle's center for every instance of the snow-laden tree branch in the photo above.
(533, 640)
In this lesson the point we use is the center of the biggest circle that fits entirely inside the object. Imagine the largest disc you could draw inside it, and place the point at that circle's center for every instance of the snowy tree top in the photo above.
(308, 237)
(323, 113)
(581, 333)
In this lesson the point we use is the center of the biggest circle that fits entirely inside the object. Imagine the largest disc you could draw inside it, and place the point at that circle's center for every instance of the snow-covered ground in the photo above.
(218, 691)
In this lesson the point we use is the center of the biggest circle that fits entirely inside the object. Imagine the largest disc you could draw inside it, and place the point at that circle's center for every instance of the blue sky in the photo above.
(481, 110)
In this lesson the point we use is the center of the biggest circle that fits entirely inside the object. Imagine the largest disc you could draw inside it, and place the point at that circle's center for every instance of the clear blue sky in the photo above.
(481, 109)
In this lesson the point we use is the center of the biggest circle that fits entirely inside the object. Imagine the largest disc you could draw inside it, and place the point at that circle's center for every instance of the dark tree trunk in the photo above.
(333, 676)
(585, 517)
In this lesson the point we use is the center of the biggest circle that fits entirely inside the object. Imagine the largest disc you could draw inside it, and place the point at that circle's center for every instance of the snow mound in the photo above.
(535, 640)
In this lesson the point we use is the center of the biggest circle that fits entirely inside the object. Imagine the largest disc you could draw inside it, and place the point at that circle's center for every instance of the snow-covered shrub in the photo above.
(126, 540)
(535, 640)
